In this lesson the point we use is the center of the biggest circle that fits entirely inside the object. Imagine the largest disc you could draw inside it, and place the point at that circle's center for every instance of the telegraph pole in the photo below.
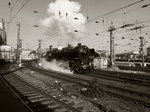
(50, 48)
(39, 48)
(4, 33)
(39, 44)
(142, 49)
(39, 51)
(19, 46)
(112, 51)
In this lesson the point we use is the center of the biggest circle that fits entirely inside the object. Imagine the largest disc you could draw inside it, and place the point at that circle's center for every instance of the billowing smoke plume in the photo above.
(63, 15)
(0, 25)
(56, 65)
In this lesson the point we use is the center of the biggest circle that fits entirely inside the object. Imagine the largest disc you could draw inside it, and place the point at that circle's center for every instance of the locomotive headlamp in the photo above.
(83, 50)
(43, 54)
(20, 64)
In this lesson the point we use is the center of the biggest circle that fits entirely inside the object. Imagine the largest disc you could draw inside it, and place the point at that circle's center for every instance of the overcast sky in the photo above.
(58, 21)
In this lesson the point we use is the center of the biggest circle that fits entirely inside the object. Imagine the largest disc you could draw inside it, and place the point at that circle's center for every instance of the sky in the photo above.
(62, 22)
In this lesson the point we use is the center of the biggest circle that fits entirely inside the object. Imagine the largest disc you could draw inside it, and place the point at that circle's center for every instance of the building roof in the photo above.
(131, 52)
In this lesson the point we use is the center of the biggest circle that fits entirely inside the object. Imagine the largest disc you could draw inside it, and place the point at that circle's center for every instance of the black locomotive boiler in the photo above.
(80, 58)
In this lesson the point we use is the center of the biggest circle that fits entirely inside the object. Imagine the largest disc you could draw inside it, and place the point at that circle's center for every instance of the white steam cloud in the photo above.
(0, 25)
(62, 16)
(56, 65)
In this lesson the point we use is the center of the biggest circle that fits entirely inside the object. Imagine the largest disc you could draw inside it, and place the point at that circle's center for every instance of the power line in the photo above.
(99, 33)
(100, 16)
(86, 22)
(127, 25)
(14, 4)
(18, 11)
(72, 27)
(74, 17)
(52, 28)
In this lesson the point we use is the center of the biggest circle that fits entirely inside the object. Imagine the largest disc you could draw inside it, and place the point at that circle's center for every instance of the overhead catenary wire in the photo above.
(108, 13)
(92, 19)
(85, 32)
(127, 25)
(31, 25)
(74, 17)
(15, 14)
(18, 11)
(52, 28)
(86, 22)
(14, 4)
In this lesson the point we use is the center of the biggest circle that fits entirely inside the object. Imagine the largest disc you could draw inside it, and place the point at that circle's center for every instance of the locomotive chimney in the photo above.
(50, 48)
(79, 44)
(69, 45)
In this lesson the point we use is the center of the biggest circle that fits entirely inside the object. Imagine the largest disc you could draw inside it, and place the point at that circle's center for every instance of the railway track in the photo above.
(125, 92)
(81, 82)
(35, 96)
(145, 69)
(14, 92)
(132, 78)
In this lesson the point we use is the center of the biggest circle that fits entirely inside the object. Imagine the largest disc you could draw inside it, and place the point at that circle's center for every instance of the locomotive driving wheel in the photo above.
(86, 70)
(79, 70)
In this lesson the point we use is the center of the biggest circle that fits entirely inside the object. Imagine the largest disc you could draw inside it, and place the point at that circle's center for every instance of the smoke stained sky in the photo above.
(86, 33)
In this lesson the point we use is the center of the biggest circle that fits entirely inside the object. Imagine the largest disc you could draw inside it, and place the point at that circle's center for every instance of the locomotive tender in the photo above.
(80, 58)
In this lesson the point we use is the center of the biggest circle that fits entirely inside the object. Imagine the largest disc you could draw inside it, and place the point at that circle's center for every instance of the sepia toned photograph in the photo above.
(74, 55)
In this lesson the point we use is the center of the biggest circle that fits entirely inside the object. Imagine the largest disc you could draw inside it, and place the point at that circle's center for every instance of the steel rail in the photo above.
(12, 90)
(131, 96)
(67, 106)
(123, 77)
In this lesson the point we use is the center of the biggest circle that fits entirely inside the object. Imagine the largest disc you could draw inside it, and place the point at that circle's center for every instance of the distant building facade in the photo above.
(27, 55)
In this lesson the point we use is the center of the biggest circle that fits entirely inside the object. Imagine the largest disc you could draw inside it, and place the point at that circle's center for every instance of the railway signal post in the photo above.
(112, 51)
(142, 49)
(19, 46)
(39, 51)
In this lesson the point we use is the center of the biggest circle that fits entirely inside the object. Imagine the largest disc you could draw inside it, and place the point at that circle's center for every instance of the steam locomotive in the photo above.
(80, 58)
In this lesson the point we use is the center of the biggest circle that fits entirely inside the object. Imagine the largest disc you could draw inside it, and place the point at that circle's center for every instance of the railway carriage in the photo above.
(7, 54)
(132, 58)
(148, 55)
